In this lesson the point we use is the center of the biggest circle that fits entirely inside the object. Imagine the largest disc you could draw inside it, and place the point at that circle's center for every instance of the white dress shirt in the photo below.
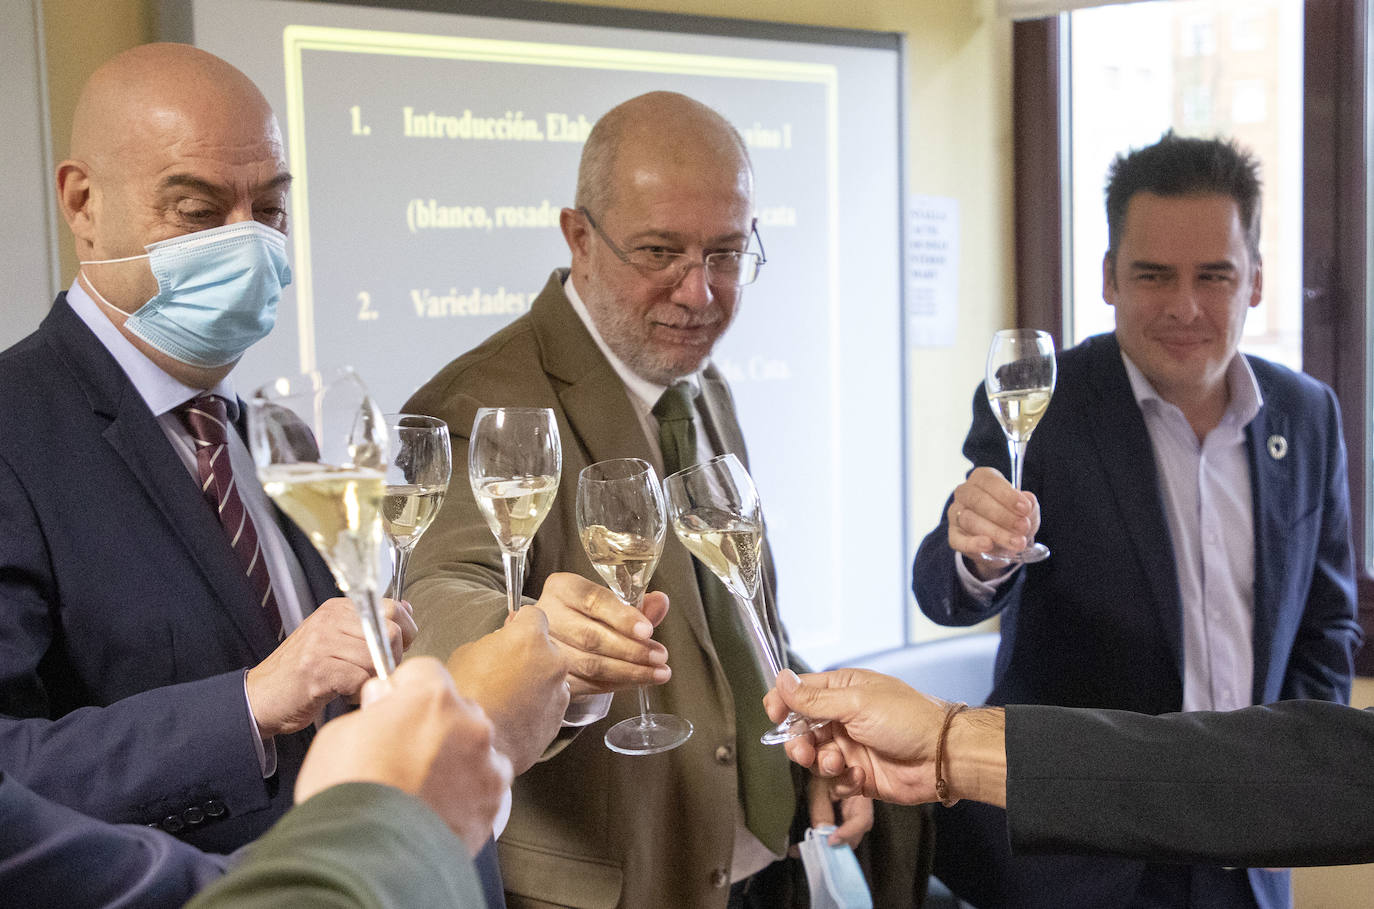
(1208, 504)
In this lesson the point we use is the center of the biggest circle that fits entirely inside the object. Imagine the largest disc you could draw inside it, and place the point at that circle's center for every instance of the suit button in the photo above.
(171, 823)
(719, 878)
(193, 815)
(725, 754)
(214, 808)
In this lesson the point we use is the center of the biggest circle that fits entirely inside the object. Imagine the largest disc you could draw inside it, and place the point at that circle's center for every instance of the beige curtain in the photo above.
(1037, 9)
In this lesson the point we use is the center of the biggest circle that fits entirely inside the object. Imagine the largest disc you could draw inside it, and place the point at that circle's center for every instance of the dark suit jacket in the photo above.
(1287, 784)
(126, 621)
(359, 844)
(1098, 624)
(52, 857)
(589, 828)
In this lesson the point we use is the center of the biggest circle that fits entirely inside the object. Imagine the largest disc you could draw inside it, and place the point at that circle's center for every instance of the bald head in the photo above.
(148, 88)
(663, 130)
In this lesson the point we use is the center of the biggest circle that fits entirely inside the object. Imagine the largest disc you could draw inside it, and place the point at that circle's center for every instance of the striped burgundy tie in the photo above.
(208, 424)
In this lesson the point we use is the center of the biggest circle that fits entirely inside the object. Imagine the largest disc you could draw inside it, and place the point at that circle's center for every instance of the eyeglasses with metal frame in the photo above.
(729, 268)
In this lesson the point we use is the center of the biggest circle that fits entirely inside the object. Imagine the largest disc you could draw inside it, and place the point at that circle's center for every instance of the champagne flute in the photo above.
(621, 520)
(1020, 381)
(514, 462)
(319, 442)
(716, 514)
(416, 481)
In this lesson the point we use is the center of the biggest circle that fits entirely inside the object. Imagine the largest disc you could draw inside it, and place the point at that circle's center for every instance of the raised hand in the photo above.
(883, 735)
(519, 677)
(988, 513)
(324, 658)
(608, 644)
(416, 733)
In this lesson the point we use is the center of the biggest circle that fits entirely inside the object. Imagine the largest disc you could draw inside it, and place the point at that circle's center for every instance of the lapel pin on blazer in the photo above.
(1278, 447)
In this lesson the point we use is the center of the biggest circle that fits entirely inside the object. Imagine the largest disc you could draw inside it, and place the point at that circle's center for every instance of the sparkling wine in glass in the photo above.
(1020, 382)
(621, 520)
(319, 443)
(514, 463)
(416, 481)
(715, 512)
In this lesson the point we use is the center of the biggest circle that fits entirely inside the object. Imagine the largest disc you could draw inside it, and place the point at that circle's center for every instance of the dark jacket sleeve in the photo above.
(935, 583)
(1288, 784)
(181, 745)
(354, 845)
(53, 856)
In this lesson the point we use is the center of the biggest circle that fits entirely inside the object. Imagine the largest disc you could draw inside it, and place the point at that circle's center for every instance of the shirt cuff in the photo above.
(981, 590)
(498, 826)
(585, 709)
(266, 748)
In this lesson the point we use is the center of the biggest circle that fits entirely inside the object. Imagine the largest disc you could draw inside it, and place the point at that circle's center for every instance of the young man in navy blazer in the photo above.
(1194, 501)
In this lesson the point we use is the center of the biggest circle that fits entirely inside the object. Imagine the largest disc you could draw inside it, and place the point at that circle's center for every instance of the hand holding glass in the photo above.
(621, 520)
(1020, 381)
(716, 514)
(416, 480)
(514, 463)
(319, 443)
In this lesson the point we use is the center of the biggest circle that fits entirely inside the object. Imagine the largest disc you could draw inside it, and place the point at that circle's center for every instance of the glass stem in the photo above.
(644, 720)
(366, 603)
(398, 570)
(1017, 450)
(515, 578)
(765, 645)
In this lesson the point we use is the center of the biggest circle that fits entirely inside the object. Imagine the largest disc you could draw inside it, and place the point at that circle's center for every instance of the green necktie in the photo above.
(765, 779)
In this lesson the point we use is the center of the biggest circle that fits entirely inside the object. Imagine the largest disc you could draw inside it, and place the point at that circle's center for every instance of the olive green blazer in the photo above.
(355, 844)
(589, 827)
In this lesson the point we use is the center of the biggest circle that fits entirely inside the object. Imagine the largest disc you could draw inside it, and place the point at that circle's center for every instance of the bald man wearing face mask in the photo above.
(168, 639)
(155, 669)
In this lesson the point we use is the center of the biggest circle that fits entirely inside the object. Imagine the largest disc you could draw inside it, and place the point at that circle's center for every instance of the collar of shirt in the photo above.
(642, 391)
(159, 391)
(1243, 407)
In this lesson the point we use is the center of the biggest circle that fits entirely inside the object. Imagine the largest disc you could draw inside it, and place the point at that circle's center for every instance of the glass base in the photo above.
(1035, 552)
(648, 734)
(795, 726)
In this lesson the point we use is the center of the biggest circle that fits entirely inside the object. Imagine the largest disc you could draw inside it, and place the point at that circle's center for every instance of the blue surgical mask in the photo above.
(832, 872)
(217, 292)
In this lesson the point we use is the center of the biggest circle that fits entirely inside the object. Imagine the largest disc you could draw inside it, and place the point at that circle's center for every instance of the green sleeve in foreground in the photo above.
(354, 845)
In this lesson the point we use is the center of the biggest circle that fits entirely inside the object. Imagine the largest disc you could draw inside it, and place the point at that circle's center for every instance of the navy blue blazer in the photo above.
(1099, 623)
(126, 621)
(52, 857)
(357, 843)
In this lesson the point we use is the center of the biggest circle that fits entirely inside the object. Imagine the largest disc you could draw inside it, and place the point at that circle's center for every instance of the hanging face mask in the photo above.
(832, 872)
(217, 292)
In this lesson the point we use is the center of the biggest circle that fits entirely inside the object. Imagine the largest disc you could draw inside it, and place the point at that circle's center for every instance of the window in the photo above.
(1250, 28)
(1199, 37)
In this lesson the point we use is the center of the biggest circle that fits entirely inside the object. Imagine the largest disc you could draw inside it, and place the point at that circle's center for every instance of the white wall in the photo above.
(27, 243)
